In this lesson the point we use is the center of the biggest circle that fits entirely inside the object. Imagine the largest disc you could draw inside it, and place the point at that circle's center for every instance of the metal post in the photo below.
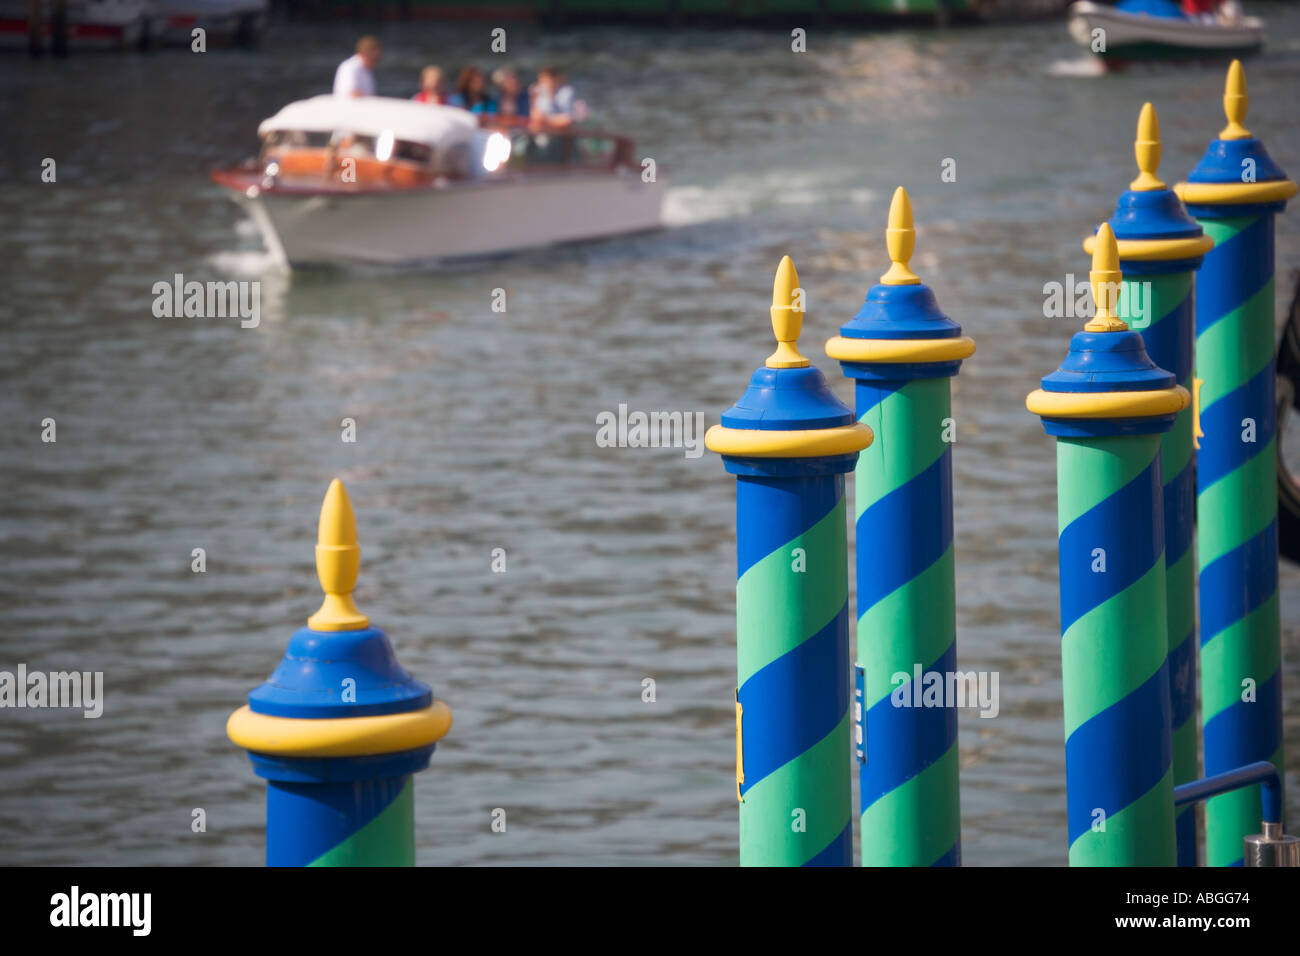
(1160, 249)
(901, 351)
(789, 442)
(35, 28)
(1270, 847)
(339, 727)
(1107, 405)
(1235, 191)
(59, 27)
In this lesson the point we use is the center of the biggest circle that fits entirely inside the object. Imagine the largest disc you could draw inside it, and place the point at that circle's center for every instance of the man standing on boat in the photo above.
(354, 76)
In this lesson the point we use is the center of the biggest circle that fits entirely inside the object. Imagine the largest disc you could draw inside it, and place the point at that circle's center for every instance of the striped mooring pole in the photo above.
(901, 350)
(789, 441)
(1234, 192)
(339, 728)
(1107, 405)
(1160, 249)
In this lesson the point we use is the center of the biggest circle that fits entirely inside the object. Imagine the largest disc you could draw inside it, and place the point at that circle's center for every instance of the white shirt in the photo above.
(559, 103)
(353, 78)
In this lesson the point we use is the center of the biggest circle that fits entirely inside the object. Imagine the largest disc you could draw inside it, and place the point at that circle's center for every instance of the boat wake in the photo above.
(685, 205)
(1077, 66)
(252, 263)
(688, 205)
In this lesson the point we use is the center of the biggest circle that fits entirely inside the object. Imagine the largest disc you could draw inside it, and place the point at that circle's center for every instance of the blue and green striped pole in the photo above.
(789, 442)
(1235, 191)
(901, 350)
(339, 728)
(1107, 405)
(1160, 249)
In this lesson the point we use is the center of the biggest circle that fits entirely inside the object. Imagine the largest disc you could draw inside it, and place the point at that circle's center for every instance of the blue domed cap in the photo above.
(1108, 362)
(1152, 214)
(310, 680)
(900, 312)
(788, 399)
(1223, 162)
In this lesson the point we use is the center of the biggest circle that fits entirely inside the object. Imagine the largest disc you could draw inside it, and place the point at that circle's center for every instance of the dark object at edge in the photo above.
(1288, 394)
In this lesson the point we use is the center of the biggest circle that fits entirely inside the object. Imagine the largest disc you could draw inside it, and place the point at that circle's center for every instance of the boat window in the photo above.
(353, 145)
(453, 160)
(596, 151)
(405, 150)
(296, 137)
(413, 152)
(552, 149)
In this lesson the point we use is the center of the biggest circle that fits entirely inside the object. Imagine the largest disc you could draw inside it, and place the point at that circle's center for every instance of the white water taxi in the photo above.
(386, 181)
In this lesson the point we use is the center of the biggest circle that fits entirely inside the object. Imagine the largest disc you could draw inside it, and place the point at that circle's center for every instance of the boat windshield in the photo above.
(491, 153)
(451, 160)
(580, 149)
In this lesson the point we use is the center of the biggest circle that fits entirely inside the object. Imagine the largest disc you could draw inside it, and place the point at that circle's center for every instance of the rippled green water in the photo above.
(476, 430)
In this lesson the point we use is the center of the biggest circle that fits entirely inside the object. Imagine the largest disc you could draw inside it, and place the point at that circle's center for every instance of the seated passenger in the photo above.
(512, 98)
(471, 92)
(430, 86)
(553, 102)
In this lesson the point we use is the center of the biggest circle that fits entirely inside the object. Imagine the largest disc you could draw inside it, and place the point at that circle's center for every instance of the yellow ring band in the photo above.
(809, 443)
(1155, 250)
(1226, 193)
(900, 350)
(1108, 404)
(339, 736)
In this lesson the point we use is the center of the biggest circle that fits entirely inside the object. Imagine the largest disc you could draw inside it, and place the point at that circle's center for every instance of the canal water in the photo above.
(476, 429)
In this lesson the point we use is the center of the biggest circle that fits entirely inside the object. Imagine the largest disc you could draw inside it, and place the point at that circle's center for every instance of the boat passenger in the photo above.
(354, 77)
(553, 101)
(1200, 9)
(430, 86)
(472, 93)
(512, 99)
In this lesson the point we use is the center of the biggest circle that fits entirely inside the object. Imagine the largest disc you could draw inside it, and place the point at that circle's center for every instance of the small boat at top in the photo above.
(343, 180)
(1158, 29)
(224, 22)
(91, 24)
(127, 24)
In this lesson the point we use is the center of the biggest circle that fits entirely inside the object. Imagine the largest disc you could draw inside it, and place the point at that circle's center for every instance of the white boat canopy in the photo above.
(432, 125)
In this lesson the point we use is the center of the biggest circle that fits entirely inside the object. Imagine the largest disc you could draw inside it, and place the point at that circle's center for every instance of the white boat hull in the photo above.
(223, 21)
(1126, 33)
(91, 24)
(456, 222)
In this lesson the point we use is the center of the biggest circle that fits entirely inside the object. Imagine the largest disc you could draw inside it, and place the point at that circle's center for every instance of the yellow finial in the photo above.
(338, 559)
(1235, 103)
(900, 240)
(787, 317)
(1104, 278)
(1147, 149)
